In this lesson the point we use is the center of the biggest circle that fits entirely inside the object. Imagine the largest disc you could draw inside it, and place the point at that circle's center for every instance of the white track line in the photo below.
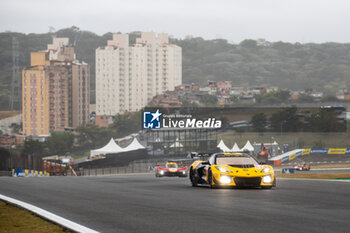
(48, 215)
(336, 180)
(330, 169)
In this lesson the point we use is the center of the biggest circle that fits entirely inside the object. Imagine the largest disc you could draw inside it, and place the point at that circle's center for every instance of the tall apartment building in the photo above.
(55, 90)
(128, 77)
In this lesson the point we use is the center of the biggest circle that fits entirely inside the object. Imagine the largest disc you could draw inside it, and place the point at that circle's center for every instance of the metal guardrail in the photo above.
(5, 173)
(145, 166)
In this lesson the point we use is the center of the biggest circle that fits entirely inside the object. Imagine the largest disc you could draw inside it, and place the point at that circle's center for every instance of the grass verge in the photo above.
(335, 175)
(14, 219)
(86, 154)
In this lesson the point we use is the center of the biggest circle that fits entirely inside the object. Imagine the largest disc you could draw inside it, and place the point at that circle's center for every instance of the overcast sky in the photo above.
(234, 20)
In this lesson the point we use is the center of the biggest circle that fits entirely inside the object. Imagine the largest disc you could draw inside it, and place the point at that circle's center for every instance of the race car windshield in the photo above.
(171, 166)
(236, 161)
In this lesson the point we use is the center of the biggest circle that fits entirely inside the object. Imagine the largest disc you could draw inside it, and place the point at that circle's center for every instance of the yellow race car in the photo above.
(232, 170)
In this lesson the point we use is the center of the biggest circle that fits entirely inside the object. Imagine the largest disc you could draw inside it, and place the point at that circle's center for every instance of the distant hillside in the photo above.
(296, 66)
(6, 114)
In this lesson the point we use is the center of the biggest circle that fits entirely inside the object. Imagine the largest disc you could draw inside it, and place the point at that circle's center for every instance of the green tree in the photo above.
(60, 143)
(127, 123)
(208, 100)
(273, 97)
(33, 147)
(329, 98)
(286, 120)
(325, 121)
(186, 103)
(248, 44)
(234, 99)
(304, 98)
(259, 122)
(92, 135)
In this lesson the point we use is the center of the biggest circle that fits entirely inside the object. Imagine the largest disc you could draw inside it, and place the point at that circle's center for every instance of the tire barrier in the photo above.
(28, 173)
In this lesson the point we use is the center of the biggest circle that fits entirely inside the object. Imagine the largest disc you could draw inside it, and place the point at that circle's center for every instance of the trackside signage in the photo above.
(339, 151)
(28, 173)
(157, 120)
(287, 170)
(319, 151)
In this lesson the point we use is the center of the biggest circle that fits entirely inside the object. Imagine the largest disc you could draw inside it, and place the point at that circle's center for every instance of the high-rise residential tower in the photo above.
(128, 77)
(55, 90)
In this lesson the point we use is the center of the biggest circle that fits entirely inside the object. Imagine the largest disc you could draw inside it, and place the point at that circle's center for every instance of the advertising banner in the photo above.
(319, 151)
(27, 173)
(306, 151)
(287, 170)
(18, 173)
(336, 151)
(292, 156)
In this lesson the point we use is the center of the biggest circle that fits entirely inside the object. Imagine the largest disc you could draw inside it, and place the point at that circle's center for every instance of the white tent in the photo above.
(110, 148)
(248, 147)
(223, 147)
(235, 148)
(134, 145)
(176, 144)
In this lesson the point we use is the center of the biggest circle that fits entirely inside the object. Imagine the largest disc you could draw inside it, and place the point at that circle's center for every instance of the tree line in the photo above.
(289, 119)
(84, 138)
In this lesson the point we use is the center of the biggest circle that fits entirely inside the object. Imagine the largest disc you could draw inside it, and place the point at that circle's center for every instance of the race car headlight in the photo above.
(225, 180)
(266, 169)
(161, 172)
(183, 172)
(267, 179)
(221, 169)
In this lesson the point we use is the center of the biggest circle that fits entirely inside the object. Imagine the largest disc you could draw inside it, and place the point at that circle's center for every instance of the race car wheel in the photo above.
(193, 179)
(210, 180)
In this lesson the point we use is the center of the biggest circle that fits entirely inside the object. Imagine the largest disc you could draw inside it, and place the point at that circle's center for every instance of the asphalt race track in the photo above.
(143, 203)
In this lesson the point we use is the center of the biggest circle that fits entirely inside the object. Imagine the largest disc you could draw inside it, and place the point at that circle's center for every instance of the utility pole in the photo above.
(15, 98)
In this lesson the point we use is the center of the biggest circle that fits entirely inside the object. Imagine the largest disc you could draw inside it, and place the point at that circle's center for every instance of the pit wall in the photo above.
(302, 152)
